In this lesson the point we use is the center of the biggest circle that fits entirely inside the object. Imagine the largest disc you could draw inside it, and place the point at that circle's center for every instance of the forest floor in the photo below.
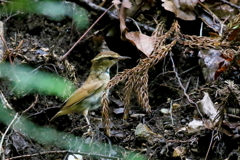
(194, 115)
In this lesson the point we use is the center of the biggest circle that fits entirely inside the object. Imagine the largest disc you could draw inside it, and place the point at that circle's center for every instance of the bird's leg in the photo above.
(88, 122)
(85, 113)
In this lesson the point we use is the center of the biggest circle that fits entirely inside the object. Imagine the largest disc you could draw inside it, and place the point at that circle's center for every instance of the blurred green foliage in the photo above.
(25, 80)
(48, 136)
(56, 10)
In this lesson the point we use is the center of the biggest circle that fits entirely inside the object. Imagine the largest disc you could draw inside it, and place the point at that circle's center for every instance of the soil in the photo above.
(38, 41)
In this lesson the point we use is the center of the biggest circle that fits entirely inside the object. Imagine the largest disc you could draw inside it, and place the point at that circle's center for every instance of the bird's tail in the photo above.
(60, 113)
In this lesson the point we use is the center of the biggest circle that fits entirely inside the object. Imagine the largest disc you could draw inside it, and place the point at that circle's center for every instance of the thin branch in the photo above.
(181, 85)
(63, 151)
(15, 117)
(4, 101)
(171, 108)
(32, 105)
(65, 55)
(210, 145)
(27, 76)
(188, 70)
(230, 4)
(4, 42)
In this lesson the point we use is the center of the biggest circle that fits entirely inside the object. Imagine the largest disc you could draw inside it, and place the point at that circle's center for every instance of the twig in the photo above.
(171, 115)
(4, 101)
(64, 151)
(187, 85)
(15, 117)
(210, 145)
(233, 116)
(27, 76)
(4, 42)
(230, 4)
(188, 70)
(32, 105)
(183, 141)
(42, 111)
(65, 55)
(135, 22)
(197, 83)
(181, 85)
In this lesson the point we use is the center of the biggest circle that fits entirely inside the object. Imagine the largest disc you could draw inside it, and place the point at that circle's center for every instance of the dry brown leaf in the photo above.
(143, 42)
(116, 3)
(122, 17)
(126, 4)
(235, 35)
(182, 8)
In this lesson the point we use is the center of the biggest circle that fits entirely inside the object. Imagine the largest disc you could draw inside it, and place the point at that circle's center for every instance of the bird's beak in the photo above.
(123, 57)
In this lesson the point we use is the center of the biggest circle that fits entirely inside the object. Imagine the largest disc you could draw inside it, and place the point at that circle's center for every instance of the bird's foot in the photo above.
(89, 132)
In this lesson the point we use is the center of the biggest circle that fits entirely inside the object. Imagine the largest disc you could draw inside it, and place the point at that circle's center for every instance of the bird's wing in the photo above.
(82, 93)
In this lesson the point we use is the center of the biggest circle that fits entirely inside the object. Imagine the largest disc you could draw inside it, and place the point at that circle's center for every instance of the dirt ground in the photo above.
(176, 84)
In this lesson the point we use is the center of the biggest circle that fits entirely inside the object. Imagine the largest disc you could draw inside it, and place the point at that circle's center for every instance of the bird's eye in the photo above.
(110, 58)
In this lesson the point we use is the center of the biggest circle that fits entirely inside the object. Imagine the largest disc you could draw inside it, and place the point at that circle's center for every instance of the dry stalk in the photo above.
(202, 42)
(105, 111)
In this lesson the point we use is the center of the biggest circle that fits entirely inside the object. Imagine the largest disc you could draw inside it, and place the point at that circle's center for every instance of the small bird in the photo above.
(88, 96)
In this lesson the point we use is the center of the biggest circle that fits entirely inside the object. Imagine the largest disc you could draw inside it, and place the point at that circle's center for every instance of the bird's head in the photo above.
(107, 59)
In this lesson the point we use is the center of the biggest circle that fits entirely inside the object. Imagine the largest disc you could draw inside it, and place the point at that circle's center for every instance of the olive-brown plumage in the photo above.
(88, 96)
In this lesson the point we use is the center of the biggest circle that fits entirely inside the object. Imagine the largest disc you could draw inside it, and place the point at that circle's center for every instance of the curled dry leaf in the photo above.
(122, 16)
(116, 3)
(118, 111)
(195, 126)
(75, 156)
(182, 8)
(207, 108)
(179, 151)
(126, 4)
(137, 115)
(165, 111)
(212, 63)
(143, 42)
(143, 132)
